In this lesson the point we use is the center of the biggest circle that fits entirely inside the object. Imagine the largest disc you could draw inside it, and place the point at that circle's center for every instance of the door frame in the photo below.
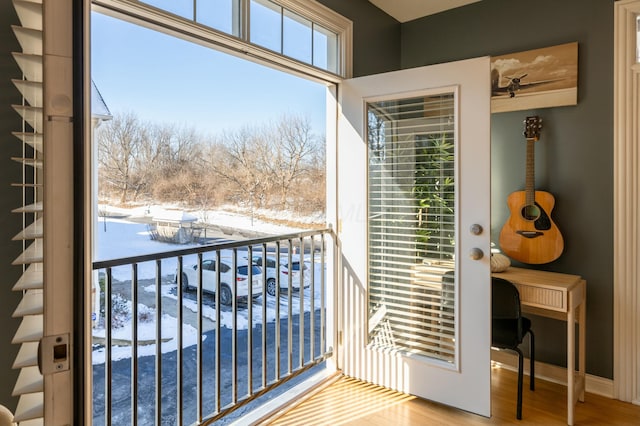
(626, 272)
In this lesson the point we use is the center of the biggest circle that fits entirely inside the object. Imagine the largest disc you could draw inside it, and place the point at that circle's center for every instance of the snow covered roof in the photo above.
(99, 108)
(174, 216)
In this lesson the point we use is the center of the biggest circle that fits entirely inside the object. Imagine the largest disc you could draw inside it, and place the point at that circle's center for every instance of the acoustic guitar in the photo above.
(530, 235)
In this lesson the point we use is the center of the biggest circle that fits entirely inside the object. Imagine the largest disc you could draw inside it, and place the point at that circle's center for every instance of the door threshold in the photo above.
(268, 412)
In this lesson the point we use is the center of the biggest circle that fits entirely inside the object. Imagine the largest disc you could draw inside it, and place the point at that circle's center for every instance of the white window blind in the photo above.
(30, 384)
(411, 173)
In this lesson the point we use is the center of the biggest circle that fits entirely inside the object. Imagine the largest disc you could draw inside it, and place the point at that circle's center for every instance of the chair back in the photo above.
(505, 299)
(508, 324)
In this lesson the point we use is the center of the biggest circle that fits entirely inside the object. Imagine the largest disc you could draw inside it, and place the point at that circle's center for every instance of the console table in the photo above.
(563, 297)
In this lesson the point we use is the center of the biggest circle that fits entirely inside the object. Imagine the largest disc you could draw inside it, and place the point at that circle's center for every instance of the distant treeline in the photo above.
(279, 165)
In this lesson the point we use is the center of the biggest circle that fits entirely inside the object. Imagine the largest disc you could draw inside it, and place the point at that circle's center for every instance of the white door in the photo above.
(413, 207)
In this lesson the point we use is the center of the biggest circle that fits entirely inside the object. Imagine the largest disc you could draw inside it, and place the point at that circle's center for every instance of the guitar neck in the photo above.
(529, 184)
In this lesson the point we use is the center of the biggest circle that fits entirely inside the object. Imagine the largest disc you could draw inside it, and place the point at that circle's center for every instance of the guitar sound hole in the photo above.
(531, 212)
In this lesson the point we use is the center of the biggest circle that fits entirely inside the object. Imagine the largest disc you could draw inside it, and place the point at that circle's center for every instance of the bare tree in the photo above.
(310, 188)
(178, 162)
(266, 161)
(238, 165)
(137, 158)
(179, 148)
(292, 144)
(119, 141)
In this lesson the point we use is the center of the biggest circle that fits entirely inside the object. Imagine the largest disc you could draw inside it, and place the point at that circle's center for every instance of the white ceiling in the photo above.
(407, 10)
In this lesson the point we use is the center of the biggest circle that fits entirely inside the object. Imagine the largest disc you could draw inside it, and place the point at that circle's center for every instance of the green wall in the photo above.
(376, 36)
(574, 155)
(10, 223)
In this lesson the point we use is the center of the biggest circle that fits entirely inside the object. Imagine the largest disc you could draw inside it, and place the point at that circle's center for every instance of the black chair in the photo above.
(509, 328)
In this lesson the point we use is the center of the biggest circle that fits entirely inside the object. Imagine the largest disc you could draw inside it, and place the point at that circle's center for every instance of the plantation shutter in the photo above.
(30, 385)
(47, 257)
(411, 174)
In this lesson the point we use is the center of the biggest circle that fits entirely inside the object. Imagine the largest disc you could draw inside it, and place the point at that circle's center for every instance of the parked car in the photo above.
(269, 269)
(209, 275)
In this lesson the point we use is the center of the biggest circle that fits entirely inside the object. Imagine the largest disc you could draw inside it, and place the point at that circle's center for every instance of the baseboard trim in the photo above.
(553, 373)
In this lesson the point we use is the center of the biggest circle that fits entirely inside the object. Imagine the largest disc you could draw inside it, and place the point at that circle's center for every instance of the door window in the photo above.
(411, 174)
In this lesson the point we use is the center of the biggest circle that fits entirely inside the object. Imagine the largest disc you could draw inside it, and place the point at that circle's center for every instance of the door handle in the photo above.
(476, 229)
(476, 253)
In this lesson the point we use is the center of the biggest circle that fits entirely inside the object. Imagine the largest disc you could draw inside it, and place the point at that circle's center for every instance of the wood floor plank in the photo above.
(354, 403)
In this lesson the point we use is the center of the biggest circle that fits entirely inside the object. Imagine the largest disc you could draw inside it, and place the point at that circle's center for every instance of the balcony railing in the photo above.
(190, 335)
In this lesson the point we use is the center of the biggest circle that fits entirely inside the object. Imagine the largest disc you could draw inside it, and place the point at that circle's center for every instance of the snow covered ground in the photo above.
(118, 238)
(226, 217)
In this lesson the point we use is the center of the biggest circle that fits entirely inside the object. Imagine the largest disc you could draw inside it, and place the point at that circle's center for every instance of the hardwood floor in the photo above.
(351, 402)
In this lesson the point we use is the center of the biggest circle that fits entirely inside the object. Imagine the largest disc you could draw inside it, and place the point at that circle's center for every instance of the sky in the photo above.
(164, 79)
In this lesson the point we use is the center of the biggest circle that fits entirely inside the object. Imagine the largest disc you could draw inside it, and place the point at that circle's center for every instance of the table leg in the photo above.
(582, 344)
(571, 360)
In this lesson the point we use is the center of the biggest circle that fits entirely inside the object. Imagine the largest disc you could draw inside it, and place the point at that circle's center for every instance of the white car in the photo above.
(209, 275)
(270, 270)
